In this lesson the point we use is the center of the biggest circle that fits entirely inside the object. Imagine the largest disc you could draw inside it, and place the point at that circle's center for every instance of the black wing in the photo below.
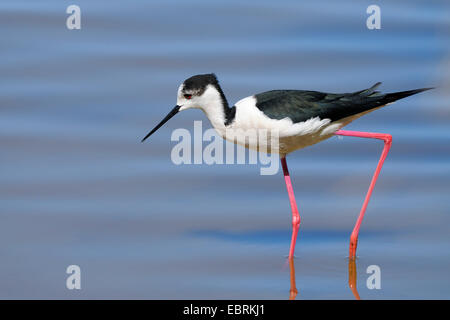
(301, 105)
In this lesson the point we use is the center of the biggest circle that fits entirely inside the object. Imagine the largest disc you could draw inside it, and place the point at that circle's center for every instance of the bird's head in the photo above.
(197, 92)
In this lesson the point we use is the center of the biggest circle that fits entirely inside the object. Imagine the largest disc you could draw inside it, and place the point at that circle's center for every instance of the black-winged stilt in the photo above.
(300, 118)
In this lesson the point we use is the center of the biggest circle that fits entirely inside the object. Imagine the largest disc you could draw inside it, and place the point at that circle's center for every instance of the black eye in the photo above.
(188, 96)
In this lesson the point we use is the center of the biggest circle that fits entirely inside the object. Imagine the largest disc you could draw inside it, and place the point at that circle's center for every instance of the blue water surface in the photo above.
(78, 187)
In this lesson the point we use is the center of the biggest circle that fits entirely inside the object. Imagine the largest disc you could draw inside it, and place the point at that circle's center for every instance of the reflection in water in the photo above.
(352, 277)
(293, 291)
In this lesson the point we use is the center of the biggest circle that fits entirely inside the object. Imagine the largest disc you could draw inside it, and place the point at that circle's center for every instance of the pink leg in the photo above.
(295, 215)
(387, 138)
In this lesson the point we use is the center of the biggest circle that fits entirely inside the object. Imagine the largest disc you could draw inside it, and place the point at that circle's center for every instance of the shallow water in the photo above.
(78, 187)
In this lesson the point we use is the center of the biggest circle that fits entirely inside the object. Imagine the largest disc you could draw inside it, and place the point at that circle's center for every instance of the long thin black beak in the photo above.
(167, 118)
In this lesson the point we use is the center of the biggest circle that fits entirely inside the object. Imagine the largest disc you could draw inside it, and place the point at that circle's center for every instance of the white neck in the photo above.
(212, 106)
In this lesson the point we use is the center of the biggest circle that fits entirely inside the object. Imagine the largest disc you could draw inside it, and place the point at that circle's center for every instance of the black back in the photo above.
(301, 105)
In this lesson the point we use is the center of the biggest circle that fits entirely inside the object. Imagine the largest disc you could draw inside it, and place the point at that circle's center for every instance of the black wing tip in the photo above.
(426, 89)
(414, 91)
(411, 92)
(403, 94)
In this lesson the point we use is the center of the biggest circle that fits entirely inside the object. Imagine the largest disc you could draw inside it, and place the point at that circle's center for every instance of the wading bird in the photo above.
(300, 118)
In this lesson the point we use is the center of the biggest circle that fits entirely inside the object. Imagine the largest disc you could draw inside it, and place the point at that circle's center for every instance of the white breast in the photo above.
(292, 136)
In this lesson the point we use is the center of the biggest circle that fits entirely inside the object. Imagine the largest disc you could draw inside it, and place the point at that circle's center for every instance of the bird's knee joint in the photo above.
(296, 221)
(387, 139)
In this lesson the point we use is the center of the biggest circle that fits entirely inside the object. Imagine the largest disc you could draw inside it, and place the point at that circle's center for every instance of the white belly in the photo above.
(253, 129)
